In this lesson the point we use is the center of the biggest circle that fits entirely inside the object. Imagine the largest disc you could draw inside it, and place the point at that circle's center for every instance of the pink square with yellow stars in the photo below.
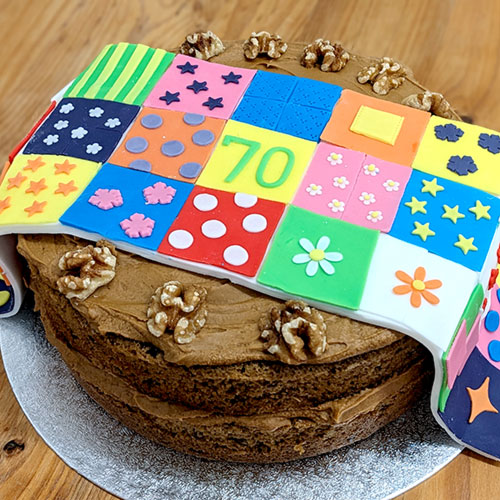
(195, 86)
(329, 180)
(377, 194)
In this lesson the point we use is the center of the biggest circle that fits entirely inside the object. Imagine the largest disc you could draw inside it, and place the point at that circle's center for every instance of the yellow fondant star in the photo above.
(431, 187)
(416, 206)
(480, 400)
(423, 230)
(452, 213)
(480, 211)
(465, 244)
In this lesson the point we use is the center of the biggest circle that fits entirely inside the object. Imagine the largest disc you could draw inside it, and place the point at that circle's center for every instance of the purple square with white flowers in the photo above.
(195, 86)
(89, 129)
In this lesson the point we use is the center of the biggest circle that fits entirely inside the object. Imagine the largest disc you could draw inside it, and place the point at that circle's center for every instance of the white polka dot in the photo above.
(205, 202)
(213, 228)
(254, 223)
(180, 239)
(235, 255)
(244, 200)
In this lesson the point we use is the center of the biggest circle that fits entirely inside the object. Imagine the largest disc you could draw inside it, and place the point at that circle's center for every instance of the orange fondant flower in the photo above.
(417, 287)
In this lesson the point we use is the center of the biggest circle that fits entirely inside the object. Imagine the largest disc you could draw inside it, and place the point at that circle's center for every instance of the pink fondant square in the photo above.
(377, 194)
(457, 355)
(329, 180)
(207, 83)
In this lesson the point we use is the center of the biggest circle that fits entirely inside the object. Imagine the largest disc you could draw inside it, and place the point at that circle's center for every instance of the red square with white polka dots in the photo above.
(223, 229)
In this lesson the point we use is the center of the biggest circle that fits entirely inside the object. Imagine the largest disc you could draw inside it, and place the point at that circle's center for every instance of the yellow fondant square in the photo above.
(43, 186)
(447, 144)
(257, 161)
(376, 124)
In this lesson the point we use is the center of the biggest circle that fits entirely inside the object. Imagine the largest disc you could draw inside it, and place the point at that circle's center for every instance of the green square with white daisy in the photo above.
(319, 258)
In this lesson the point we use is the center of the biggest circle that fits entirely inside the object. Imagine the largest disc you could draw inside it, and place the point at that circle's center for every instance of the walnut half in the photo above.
(179, 310)
(88, 268)
(329, 56)
(384, 75)
(202, 45)
(295, 329)
(433, 102)
(265, 43)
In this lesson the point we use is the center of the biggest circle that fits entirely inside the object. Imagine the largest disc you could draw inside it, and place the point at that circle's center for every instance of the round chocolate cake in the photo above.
(262, 380)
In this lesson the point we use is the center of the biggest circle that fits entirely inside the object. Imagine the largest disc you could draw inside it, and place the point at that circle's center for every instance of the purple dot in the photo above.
(172, 148)
(142, 165)
(193, 119)
(203, 137)
(190, 170)
(136, 145)
(152, 121)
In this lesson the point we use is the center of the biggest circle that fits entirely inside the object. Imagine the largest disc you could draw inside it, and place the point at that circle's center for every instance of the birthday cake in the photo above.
(237, 245)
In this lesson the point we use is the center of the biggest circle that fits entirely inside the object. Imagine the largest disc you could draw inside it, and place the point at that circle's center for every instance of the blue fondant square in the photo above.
(301, 121)
(315, 94)
(131, 183)
(447, 232)
(259, 112)
(89, 129)
(272, 86)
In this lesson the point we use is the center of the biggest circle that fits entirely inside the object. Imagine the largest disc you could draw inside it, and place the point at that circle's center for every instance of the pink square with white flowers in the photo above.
(329, 180)
(200, 87)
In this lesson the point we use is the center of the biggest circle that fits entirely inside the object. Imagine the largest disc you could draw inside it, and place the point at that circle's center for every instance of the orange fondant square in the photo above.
(338, 129)
(172, 144)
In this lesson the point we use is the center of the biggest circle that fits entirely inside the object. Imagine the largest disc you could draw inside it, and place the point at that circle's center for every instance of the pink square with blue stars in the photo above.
(122, 204)
(195, 86)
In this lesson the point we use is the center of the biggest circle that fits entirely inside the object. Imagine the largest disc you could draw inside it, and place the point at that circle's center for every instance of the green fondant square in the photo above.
(302, 230)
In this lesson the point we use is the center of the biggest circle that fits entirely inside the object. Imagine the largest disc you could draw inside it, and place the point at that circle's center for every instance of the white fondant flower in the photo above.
(59, 125)
(93, 149)
(391, 185)
(66, 108)
(112, 122)
(79, 133)
(96, 112)
(335, 158)
(51, 139)
(371, 169)
(367, 198)
(336, 206)
(316, 256)
(340, 182)
(314, 189)
(374, 215)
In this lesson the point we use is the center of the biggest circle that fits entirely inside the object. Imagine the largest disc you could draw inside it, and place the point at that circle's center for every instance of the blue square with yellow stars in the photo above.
(452, 220)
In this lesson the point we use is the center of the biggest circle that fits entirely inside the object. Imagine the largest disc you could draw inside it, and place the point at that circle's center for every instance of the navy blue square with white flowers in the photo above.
(89, 129)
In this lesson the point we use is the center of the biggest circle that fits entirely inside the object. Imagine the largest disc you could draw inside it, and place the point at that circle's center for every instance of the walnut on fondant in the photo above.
(434, 102)
(87, 269)
(264, 43)
(328, 56)
(202, 45)
(384, 75)
(177, 309)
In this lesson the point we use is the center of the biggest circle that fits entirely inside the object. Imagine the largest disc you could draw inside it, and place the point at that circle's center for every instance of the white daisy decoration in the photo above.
(336, 206)
(371, 169)
(335, 158)
(51, 139)
(314, 189)
(316, 256)
(96, 112)
(112, 122)
(79, 133)
(367, 198)
(374, 215)
(59, 125)
(340, 182)
(391, 185)
(93, 149)
(66, 108)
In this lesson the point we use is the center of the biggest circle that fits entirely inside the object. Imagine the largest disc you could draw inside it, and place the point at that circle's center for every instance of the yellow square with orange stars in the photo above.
(37, 189)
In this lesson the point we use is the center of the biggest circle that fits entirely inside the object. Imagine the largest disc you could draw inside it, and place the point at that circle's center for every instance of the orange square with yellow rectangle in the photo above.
(340, 131)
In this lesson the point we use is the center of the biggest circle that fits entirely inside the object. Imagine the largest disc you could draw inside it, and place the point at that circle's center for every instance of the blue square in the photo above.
(89, 129)
(259, 112)
(315, 94)
(105, 213)
(272, 86)
(304, 122)
(437, 213)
